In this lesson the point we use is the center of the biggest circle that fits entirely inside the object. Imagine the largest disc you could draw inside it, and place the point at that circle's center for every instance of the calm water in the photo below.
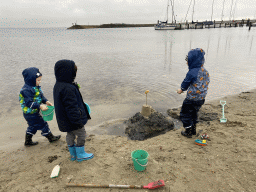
(116, 66)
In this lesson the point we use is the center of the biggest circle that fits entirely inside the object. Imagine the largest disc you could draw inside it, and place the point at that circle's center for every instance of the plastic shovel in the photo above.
(153, 185)
(223, 119)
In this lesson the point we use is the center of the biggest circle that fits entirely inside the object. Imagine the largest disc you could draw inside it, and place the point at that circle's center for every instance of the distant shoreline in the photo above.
(109, 26)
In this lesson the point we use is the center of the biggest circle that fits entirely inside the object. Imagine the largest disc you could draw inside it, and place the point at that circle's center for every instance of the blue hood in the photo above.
(30, 74)
(65, 71)
(196, 58)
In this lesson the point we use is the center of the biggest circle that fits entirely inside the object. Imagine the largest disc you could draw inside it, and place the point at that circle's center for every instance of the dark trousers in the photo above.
(189, 112)
(35, 123)
(80, 134)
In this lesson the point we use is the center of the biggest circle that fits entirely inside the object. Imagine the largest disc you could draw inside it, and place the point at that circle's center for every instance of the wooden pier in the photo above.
(215, 24)
(179, 26)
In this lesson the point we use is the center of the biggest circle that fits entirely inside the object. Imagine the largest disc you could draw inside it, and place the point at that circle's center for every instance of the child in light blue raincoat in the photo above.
(196, 83)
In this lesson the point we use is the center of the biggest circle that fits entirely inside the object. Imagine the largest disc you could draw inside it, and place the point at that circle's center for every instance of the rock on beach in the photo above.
(141, 127)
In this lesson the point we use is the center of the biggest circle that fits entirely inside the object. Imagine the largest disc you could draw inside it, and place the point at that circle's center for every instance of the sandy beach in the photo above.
(227, 163)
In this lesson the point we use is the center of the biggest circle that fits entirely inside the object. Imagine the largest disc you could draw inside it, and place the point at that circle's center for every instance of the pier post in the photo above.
(250, 24)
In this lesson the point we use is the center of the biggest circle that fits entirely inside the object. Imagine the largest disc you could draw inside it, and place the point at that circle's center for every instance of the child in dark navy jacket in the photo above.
(196, 83)
(71, 111)
(32, 100)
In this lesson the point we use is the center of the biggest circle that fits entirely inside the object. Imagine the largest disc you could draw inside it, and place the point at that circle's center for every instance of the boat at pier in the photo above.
(163, 25)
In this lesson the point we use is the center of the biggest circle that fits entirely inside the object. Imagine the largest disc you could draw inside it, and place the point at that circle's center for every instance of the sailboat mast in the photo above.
(212, 9)
(193, 10)
(167, 12)
(234, 11)
(222, 11)
(172, 10)
(231, 10)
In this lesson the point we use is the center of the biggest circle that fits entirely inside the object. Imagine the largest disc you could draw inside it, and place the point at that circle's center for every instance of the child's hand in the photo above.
(49, 103)
(179, 91)
(43, 107)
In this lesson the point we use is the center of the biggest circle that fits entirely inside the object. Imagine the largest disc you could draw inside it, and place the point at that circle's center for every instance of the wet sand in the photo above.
(14, 126)
(108, 114)
(227, 163)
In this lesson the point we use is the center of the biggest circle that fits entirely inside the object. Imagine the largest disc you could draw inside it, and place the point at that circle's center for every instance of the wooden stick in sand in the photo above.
(153, 185)
(146, 92)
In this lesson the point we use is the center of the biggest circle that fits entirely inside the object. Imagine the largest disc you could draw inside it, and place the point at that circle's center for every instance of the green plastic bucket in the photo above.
(140, 159)
(48, 114)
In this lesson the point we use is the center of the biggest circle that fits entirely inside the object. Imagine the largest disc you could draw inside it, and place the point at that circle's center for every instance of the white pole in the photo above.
(212, 9)
(222, 11)
(193, 10)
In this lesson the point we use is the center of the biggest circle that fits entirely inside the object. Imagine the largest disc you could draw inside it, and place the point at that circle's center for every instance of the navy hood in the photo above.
(65, 71)
(196, 58)
(30, 74)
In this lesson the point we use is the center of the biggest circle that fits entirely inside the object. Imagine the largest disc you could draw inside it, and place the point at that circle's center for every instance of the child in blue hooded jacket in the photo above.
(196, 83)
(32, 100)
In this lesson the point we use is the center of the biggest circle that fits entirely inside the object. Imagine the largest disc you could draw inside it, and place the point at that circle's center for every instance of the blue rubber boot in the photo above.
(81, 155)
(72, 151)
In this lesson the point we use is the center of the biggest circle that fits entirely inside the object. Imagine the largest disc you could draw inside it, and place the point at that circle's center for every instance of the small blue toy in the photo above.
(199, 142)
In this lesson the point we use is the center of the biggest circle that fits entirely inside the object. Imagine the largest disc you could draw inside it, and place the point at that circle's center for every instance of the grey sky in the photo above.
(62, 13)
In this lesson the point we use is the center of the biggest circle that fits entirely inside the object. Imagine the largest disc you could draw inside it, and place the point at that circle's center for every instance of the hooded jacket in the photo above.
(31, 96)
(197, 79)
(71, 112)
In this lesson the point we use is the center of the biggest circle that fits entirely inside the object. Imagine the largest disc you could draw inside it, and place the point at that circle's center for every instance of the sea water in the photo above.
(117, 65)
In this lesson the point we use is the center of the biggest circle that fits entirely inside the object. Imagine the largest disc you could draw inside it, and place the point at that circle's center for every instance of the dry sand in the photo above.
(227, 163)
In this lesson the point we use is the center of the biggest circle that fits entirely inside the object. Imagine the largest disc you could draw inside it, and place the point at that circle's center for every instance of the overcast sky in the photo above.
(62, 13)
